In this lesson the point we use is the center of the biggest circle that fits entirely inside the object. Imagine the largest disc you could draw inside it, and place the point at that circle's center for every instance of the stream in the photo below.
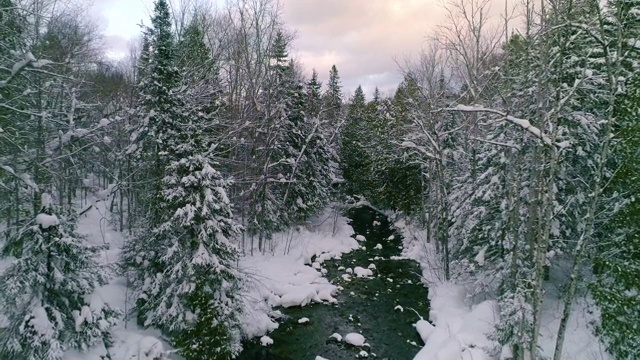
(381, 307)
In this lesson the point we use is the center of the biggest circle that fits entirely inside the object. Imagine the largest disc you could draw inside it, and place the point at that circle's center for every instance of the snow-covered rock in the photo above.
(336, 336)
(299, 296)
(303, 320)
(266, 341)
(354, 339)
(361, 238)
(378, 247)
(362, 272)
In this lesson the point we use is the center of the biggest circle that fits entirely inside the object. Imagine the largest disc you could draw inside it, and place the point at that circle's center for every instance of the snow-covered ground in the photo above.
(129, 341)
(273, 279)
(457, 330)
(454, 329)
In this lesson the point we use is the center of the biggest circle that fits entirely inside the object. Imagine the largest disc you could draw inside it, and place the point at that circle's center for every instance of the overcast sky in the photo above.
(361, 37)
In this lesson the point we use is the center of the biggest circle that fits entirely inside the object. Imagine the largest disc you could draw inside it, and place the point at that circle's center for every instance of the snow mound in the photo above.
(46, 221)
(303, 320)
(266, 341)
(362, 272)
(459, 332)
(360, 238)
(300, 296)
(354, 339)
(336, 336)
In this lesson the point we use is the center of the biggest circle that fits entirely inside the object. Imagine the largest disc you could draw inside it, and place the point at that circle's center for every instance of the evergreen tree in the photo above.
(355, 161)
(314, 95)
(616, 256)
(47, 292)
(333, 98)
(183, 263)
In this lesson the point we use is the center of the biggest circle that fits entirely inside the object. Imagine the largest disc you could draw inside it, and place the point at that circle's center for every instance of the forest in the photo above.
(512, 142)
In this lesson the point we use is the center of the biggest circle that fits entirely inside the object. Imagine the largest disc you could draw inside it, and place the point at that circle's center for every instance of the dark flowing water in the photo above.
(365, 306)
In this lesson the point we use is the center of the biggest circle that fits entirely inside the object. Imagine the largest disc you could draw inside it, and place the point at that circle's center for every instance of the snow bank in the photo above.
(279, 279)
(456, 331)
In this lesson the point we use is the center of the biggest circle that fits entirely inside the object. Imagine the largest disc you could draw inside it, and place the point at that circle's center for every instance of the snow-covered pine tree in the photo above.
(15, 202)
(616, 255)
(332, 98)
(158, 114)
(355, 162)
(274, 146)
(183, 266)
(314, 96)
(313, 169)
(195, 298)
(47, 292)
(332, 111)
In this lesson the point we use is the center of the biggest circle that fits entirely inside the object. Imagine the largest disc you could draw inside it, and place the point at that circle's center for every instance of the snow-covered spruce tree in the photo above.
(276, 142)
(15, 202)
(355, 162)
(47, 292)
(194, 298)
(314, 96)
(616, 256)
(332, 99)
(157, 113)
(403, 171)
(182, 266)
(307, 190)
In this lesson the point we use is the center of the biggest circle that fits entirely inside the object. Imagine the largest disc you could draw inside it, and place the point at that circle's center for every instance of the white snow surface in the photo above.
(132, 342)
(279, 279)
(459, 331)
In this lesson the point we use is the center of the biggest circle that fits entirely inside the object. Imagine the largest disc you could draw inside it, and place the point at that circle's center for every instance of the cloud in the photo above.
(361, 37)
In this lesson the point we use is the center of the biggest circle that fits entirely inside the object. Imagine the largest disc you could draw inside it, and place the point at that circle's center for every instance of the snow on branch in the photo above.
(525, 124)
(23, 177)
(420, 149)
